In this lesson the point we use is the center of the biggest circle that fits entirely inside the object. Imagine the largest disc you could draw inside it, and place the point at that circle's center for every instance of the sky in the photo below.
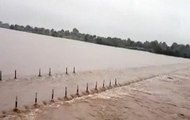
(163, 20)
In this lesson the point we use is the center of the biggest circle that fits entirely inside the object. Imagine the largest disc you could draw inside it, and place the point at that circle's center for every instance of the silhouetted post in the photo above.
(15, 75)
(49, 71)
(66, 71)
(115, 82)
(16, 104)
(110, 84)
(39, 75)
(96, 86)
(36, 99)
(87, 91)
(74, 71)
(0, 75)
(77, 91)
(52, 95)
(103, 84)
(65, 92)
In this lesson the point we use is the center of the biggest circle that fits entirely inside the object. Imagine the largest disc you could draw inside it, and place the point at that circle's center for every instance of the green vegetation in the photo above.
(175, 49)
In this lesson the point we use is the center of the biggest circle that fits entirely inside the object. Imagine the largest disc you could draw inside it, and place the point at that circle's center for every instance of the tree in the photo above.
(12, 27)
(28, 28)
(67, 33)
(75, 31)
(99, 40)
(54, 33)
(175, 49)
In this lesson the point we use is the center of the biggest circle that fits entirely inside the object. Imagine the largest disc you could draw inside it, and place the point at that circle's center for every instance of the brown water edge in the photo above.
(25, 88)
(164, 97)
(160, 97)
(150, 71)
(37, 107)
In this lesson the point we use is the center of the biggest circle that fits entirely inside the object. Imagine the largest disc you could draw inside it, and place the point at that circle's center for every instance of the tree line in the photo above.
(178, 50)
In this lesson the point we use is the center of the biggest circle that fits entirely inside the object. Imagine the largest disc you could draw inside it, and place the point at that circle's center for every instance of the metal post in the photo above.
(15, 75)
(115, 82)
(110, 84)
(49, 71)
(96, 86)
(74, 71)
(16, 104)
(77, 91)
(87, 91)
(103, 84)
(39, 73)
(66, 71)
(36, 98)
(0, 75)
(52, 96)
(65, 92)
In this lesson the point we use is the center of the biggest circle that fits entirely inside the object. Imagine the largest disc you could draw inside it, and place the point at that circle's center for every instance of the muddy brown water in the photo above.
(27, 53)
(163, 97)
(25, 89)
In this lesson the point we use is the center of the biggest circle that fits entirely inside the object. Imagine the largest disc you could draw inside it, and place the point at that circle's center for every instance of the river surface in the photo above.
(163, 97)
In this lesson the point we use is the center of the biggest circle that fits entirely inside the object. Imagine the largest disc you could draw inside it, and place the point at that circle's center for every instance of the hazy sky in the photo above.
(163, 20)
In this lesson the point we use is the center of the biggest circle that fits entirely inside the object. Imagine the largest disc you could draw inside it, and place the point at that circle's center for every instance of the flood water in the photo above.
(27, 53)
(163, 97)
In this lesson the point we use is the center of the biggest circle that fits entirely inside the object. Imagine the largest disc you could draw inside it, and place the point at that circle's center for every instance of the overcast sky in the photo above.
(140, 20)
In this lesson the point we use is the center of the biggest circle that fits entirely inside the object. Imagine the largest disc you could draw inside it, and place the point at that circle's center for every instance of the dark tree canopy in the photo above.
(175, 49)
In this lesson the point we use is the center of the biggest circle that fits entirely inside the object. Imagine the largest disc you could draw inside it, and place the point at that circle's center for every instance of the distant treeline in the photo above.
(175, 49)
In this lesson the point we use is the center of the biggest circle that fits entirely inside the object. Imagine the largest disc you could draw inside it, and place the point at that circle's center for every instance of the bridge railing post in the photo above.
(0, 75)
(15, 77)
